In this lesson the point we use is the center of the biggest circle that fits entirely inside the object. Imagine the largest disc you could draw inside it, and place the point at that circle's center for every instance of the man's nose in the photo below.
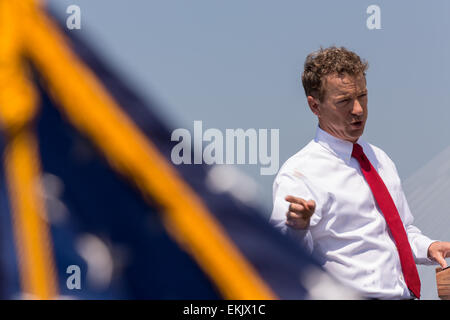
(357, 108)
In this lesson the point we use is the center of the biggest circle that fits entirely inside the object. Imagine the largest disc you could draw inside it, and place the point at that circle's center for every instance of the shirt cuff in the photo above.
(301, 235)
(422, 252)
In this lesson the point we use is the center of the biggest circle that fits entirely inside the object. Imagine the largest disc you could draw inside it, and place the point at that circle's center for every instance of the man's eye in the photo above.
(362, 95)
(343, 101)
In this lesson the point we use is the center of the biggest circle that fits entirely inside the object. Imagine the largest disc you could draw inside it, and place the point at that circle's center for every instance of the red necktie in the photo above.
(387, 206)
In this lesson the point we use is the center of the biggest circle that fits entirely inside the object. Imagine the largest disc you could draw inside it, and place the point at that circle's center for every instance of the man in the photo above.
(342, 197)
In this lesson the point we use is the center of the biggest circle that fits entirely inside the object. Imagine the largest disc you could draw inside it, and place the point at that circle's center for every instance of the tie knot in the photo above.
(357, 152)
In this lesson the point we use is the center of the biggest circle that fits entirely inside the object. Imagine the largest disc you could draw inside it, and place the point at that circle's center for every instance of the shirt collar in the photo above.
(341, 148)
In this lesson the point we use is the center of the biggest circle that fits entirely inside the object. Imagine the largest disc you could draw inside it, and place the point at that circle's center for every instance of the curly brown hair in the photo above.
(329, 61)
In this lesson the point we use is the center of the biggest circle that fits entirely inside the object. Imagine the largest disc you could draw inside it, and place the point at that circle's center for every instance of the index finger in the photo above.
(297, 200)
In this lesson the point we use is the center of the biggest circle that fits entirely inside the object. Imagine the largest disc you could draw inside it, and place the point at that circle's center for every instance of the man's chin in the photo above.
(355, 134)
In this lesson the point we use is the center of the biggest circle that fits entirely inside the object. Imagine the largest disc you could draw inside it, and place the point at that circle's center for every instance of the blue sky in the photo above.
(237, 64)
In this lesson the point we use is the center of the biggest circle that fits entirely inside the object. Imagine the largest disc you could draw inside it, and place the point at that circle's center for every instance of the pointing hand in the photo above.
(300, 212)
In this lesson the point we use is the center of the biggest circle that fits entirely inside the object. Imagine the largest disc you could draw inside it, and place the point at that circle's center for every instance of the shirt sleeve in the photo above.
(296, 185)
(419, 242)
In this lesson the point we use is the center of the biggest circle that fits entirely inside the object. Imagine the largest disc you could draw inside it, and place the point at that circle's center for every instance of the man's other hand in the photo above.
(300, 212)
(438, 251)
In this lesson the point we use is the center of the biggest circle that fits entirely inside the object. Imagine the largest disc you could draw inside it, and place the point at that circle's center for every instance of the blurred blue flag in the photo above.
(120, 220)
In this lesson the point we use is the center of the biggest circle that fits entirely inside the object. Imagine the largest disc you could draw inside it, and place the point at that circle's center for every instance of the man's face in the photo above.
(343, 109)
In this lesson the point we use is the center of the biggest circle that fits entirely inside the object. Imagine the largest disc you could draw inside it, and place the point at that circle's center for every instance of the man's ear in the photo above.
(313, 105)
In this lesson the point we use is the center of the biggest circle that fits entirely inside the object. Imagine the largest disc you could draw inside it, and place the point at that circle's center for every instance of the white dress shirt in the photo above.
(348, 233)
